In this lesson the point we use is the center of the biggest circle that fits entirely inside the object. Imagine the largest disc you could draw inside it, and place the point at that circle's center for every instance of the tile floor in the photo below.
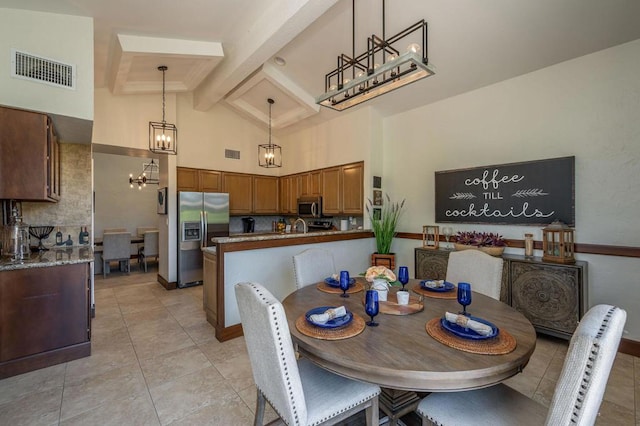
(155, 361)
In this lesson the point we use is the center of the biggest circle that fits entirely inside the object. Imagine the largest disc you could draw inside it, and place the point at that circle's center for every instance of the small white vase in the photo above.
(382, 287)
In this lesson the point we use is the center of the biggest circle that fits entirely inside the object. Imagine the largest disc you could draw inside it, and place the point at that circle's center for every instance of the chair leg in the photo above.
(372, 413)
(104, 269)
(145, 264)
(260, 402)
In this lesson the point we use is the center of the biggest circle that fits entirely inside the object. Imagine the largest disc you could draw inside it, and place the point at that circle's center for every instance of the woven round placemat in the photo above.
(502, 344)
(356, 288)
(355, 327)
(453, 294)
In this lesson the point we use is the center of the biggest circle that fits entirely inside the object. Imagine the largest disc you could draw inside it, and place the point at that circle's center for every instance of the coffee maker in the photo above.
(248, 224)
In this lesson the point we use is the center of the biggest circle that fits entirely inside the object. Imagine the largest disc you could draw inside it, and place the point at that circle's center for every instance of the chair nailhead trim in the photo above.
(586, 378)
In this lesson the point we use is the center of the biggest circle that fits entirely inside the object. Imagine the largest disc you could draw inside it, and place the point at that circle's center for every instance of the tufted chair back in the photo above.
(482, 271)
(273, 360)
(579, 390)
(312, 266)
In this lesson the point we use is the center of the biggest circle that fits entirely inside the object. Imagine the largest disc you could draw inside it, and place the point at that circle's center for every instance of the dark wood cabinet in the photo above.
(552, 296)
(44, 317)
(29, 156)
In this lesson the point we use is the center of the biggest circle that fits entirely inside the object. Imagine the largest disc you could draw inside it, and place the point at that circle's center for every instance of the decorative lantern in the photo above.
(558, 243)
(430, 236)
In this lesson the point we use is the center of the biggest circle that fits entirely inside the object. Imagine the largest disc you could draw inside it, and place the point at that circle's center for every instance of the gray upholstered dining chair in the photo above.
(115, 246)
(149, 249)
(312, 266)
(299, 391)
(577, 395)
(483, 271)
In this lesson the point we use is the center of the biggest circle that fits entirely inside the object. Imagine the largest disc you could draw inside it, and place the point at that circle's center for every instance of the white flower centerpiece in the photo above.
(380, 278)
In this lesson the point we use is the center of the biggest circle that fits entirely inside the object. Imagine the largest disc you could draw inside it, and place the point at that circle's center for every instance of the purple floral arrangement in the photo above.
(480, 239)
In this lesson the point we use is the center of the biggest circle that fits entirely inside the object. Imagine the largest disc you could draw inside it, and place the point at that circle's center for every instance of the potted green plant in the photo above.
(488, 242)
(384, 222)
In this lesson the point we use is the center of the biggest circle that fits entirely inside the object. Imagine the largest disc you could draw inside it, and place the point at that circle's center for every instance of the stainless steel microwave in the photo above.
(310, 206)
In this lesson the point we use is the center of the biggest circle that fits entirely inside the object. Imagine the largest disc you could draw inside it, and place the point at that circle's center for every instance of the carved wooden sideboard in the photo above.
(552, 296)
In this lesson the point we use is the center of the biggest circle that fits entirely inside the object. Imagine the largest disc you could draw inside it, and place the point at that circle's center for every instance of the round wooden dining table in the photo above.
(399, 354)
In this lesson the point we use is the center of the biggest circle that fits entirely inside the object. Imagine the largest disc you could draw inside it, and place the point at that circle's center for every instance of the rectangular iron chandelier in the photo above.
(163, 136)
(380, 69)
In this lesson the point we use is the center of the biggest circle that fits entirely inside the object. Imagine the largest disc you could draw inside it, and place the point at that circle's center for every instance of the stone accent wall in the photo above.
(74, 208)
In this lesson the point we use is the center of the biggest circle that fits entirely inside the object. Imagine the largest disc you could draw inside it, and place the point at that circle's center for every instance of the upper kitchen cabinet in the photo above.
(352, 188)
(331, 194)
(289, 194)
(240, 189)
(311, 183)
(29, 156)
(198, 180)
(342, 189)
(265, 194)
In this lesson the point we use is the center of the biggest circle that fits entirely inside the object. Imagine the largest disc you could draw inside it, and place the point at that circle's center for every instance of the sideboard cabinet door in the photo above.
(431, 264)
(552, 296)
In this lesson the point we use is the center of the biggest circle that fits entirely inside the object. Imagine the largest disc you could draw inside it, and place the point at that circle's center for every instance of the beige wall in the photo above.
(587, 107)
(63, 38)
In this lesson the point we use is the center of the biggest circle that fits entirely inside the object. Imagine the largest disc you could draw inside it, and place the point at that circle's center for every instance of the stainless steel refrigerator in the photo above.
(201, 216)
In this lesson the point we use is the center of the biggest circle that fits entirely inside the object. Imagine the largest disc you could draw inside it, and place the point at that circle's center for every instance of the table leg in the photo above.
(396, 403)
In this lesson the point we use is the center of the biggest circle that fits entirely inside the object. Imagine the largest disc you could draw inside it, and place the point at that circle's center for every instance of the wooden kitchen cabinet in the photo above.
(44, 317)
(288, 194)
(310, 183)
(265, 194)
(332, 191)
(198, 180)
(210, 181)
(29, 156)
(240, 189)
(342, 189)
(352, 188)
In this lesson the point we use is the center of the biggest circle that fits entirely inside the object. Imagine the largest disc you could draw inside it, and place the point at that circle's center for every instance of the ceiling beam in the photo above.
(280, 23)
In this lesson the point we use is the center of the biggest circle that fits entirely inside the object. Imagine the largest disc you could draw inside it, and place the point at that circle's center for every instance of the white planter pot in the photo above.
(382, 287)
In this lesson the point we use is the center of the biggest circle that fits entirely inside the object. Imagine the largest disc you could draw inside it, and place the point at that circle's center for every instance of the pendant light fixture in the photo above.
(269, 154)
(163, 136)
(386, 65)
(150, 176)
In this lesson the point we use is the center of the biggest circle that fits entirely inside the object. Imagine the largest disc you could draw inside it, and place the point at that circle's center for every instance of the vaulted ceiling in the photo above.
(224, 51)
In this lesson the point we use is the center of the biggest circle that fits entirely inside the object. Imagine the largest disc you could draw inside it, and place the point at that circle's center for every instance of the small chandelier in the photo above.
(380, 69)
(150, 175)
(163, 136)
(269, 154)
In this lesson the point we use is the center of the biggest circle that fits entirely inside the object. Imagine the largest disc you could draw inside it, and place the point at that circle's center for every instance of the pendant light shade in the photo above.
(269, 154)
(163, 136)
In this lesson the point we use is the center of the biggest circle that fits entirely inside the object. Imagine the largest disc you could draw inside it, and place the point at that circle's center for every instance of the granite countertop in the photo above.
(53, 257)
(280, 236)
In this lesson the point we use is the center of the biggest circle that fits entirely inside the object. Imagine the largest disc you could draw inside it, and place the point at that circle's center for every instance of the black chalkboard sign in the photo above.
(528, 193)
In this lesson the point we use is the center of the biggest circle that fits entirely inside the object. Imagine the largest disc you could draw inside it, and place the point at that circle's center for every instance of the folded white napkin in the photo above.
(434, 283)
(328, 315)
(464, 321)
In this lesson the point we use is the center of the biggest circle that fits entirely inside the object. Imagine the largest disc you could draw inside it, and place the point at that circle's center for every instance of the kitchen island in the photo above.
(268, 259)
(45, 309)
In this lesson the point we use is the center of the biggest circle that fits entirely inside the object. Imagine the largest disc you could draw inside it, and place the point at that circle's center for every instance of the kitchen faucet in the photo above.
(304, 225)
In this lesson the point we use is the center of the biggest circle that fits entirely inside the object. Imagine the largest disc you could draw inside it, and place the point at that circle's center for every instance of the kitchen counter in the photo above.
(267, 258)
(54, 257)
(266, 236)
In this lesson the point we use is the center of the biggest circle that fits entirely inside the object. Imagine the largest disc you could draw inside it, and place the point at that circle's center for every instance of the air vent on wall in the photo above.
(230, 153)
(43, 70)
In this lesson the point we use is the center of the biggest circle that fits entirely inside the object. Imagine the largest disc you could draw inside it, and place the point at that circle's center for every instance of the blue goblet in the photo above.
(371, 306)
(464, 296)
(403, 275)
(344, 283)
